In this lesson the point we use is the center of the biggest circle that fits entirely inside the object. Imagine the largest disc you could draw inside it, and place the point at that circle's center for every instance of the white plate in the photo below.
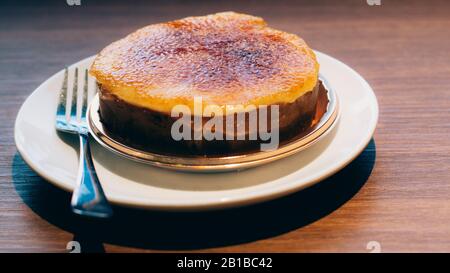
(54, 156)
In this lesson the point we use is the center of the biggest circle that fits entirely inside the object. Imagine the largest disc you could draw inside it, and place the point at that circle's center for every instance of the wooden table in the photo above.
(397, 192)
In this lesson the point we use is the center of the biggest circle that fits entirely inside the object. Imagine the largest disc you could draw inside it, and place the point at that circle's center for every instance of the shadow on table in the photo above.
(194, 230)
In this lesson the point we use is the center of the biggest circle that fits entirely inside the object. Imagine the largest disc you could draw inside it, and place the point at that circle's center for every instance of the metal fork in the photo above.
(88, 197)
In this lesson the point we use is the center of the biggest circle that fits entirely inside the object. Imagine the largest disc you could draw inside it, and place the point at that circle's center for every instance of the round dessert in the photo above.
(225, 60)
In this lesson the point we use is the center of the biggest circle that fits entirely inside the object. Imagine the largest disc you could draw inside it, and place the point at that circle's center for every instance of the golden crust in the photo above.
(226, 58)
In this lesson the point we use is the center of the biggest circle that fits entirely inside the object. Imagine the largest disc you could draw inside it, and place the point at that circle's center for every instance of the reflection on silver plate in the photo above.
(321, 126)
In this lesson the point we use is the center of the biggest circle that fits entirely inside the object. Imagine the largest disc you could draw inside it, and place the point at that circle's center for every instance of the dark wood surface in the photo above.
(397, 192)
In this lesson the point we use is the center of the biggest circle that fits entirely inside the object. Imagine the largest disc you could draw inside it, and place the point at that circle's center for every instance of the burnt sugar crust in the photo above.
(225, 58)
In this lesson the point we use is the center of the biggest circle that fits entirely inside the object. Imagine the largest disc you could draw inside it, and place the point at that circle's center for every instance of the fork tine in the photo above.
(73, 107)
(84, 103)
(61, 117)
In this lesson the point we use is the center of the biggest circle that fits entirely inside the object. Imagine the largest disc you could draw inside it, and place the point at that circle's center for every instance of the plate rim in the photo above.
(231, 202)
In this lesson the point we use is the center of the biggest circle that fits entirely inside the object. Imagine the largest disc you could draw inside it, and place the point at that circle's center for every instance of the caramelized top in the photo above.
(225, 58)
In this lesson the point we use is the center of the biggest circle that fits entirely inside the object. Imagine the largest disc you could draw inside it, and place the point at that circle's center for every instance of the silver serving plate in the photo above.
(324, 122)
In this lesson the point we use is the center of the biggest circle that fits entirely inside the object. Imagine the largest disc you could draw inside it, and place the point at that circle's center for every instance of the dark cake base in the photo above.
(150, 130)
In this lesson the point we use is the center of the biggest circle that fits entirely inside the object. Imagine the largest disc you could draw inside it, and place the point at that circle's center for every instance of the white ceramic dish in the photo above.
(129, 183)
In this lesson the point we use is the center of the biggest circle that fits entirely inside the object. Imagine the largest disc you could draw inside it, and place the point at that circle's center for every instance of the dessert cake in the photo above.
(224, 59)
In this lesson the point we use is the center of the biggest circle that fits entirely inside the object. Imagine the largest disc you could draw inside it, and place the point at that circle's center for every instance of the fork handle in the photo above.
(88, 197)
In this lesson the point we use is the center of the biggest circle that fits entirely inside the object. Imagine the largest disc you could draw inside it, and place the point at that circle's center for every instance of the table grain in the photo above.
(396, 193)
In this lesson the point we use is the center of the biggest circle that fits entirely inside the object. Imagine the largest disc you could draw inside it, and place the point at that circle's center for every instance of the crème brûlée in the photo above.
(225, 59)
